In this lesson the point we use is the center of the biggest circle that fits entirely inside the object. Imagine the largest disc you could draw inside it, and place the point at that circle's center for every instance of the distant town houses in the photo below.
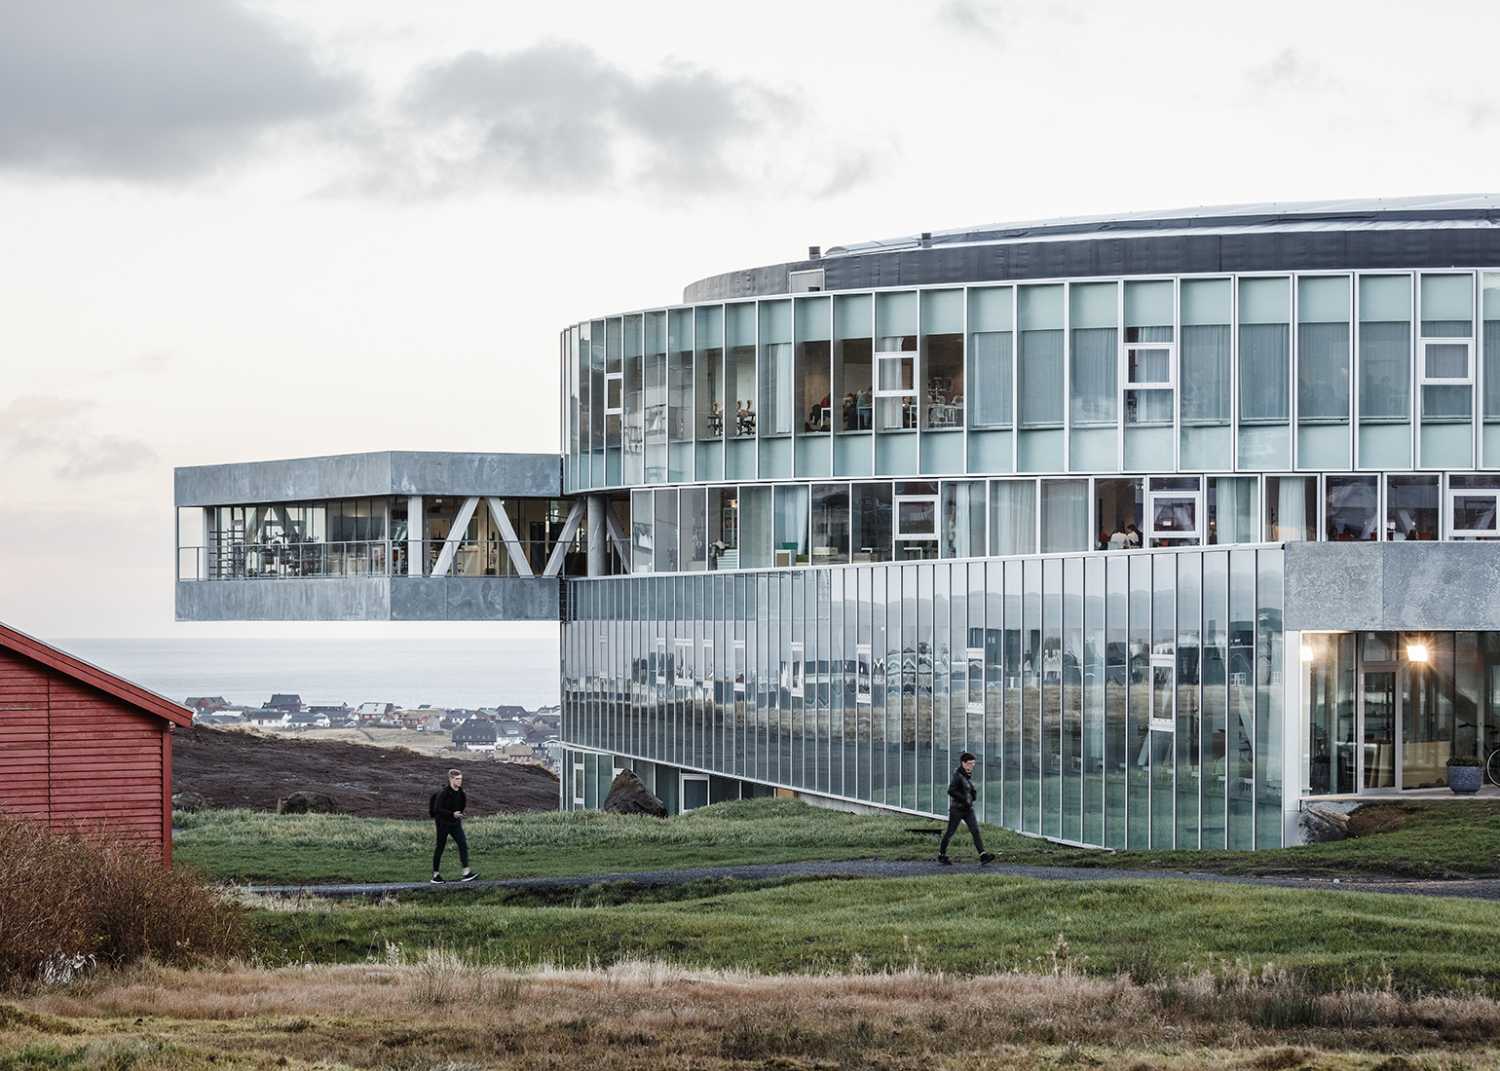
(507, 732)
(476, 734)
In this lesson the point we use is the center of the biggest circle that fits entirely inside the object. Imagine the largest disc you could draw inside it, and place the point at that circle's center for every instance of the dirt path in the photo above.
(244, 769)
(1478, 889)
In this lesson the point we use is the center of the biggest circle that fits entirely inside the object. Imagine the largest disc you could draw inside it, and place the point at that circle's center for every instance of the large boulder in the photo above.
(1321, 822)
(628, 794)
(306, 803)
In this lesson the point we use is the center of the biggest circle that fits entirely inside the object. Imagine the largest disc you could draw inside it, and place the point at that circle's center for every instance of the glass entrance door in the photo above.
(1379, 714)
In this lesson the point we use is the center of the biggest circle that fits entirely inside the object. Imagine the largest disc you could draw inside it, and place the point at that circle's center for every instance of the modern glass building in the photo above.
(1177, 520)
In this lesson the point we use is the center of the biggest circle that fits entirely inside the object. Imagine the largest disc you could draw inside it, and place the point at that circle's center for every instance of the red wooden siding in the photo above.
(79, 758)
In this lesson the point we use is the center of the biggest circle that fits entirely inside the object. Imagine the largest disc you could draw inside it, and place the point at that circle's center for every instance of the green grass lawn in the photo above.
(1417, 839)
(966, 924)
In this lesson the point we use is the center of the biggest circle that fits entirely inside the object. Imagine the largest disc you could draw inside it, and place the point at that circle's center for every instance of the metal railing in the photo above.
(378, 557)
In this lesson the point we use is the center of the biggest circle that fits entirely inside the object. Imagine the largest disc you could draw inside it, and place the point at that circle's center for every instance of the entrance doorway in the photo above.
(1379, 714)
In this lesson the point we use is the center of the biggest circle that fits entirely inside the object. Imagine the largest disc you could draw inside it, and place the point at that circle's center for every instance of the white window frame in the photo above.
(910, 357)
(1424, 380)
(1151, 530)
(738, 669)
(797, 670)
(864, 670)
(1491, 493)
(1128, 348)
(902, 536)
(682, 780)
(661, 660)
(682, 661)
(615, 379)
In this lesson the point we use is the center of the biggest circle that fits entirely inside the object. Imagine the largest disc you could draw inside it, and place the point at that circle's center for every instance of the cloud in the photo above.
(150, 90)
(48, 426)
(1289, 71)
(559, 118)
(970, 18)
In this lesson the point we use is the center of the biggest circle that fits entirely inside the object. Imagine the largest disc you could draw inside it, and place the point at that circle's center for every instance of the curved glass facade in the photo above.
(1274, 373)
(1048, 520)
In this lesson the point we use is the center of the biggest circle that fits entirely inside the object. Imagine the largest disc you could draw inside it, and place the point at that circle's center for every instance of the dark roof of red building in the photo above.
(93, 676)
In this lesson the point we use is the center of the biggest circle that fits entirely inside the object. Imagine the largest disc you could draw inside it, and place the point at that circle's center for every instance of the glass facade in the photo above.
(1112, 700)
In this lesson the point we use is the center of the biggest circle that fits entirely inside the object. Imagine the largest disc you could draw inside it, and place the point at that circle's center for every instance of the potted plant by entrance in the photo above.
(1465, 774)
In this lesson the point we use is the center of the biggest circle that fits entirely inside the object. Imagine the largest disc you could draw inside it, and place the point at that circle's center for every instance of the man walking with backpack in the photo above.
(447, 808)
(961, 797)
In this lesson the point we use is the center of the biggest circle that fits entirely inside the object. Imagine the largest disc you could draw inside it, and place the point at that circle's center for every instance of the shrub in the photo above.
(1465, 760)
(69, 901)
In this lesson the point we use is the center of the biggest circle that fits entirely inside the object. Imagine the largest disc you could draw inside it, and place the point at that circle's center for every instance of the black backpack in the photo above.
(432, 805)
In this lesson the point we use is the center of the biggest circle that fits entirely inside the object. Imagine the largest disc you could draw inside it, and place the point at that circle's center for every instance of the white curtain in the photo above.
(1094, 376)
(1235, 519)
(1204, 364)
(1041, 376)
(1012, 517)
(1265, 372)
(1385, 370)
(1065, 515)
(1323, 372)
(1292, 515)
(775, 417)
(990, 389)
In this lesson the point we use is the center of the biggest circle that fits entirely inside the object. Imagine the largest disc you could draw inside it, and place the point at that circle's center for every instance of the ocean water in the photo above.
(441, 672)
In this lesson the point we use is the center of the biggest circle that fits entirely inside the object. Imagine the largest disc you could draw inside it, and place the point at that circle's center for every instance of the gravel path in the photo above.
(1476, 889)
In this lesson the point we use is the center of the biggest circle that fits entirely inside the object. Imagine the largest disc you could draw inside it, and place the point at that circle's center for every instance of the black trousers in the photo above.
(968, 819)
(444, 831)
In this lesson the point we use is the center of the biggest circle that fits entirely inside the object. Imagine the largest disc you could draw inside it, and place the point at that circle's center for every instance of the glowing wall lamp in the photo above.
(1416, 652)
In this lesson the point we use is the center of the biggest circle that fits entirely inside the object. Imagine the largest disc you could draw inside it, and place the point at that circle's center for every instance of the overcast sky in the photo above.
(236, 231)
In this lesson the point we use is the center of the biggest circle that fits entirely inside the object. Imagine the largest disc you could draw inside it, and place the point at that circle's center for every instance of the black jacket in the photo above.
(450, 801)
(961, 792)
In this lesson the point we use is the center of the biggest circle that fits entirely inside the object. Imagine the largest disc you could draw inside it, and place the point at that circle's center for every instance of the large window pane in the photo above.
(961, 531)
(852, 368)
(1291, 508)
(1149, 316)
(1323, 349)
(992, 343)
(1041, 356)
(739, 339)
(1411, 507)
(666, 531)
(872, 522)
(1351, 508)
(1013, 517)
(814, 372)
(943, 358)
(694, 529)
(1384, 348)
(775, 417)
(830, 523)
(1065, 515)
(1093, 317)
(791, 524)
(708, 339)
(1265, 353)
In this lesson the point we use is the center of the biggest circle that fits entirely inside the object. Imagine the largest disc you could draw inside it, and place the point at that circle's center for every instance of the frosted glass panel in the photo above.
(1447, 297)
(990, 309)
(942, 312)
(1093, 305)
(896, 314)
(1265, 301)
(1205, 301)
(1148, 304)
(1323, 300)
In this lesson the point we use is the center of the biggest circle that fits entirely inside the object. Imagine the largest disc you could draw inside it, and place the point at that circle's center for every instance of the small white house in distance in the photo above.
(267, 719)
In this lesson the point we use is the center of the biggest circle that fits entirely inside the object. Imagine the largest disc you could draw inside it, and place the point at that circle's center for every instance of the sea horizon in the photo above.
(409, 672)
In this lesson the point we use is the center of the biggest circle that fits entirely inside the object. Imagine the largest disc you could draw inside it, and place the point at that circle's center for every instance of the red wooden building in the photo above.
(82, 747)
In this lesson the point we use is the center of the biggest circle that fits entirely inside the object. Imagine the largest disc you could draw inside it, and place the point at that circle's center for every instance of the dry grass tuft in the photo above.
(72, 902)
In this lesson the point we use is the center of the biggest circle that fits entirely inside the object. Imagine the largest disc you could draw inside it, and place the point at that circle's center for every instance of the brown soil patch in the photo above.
(245, 769)
(1375, 818)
